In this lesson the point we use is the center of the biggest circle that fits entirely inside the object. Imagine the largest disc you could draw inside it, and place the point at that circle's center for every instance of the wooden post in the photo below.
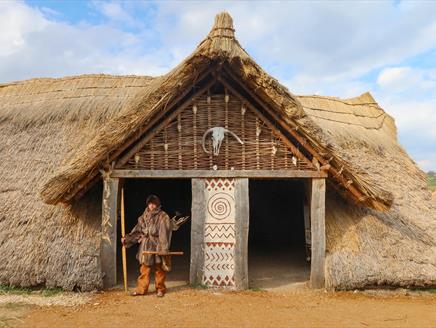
(317, 215)
(108, 246)
(306, 210)
(123, 234)
(198, 213)
(241, 227)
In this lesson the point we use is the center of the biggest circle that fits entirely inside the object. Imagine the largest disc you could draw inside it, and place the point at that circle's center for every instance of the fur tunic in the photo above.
(153, 231)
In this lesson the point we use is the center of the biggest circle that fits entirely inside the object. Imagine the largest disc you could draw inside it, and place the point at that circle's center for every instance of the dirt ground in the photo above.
(184, 306)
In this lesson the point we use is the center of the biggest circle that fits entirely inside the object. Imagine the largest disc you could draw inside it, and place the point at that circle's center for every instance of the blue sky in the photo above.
(326, 47)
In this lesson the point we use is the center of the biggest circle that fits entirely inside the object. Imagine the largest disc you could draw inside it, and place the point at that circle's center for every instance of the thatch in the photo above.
(221, 47)
(56, 132)
(43, 121)
(366, 247)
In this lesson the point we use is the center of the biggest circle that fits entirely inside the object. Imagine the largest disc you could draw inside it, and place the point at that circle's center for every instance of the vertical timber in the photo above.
(108, 246)
(306, 210)
(198, 213)
(241, 228)
(317, 215)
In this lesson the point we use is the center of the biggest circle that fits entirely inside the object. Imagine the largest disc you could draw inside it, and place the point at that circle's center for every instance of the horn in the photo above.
(204, 140)
(235, 136)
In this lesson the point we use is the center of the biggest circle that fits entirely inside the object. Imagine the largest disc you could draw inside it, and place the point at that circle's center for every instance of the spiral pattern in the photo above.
(220, 206)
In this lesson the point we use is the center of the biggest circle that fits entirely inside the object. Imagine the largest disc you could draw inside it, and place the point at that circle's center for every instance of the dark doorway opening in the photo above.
(176, 196)
(276, 244)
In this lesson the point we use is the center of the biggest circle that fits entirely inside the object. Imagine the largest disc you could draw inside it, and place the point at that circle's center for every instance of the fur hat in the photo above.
(153, 199)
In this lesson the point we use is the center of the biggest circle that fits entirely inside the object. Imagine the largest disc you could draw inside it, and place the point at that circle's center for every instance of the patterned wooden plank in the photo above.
(219, 233)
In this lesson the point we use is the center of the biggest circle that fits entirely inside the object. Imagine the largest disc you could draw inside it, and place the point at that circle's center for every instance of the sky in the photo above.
(332, 48)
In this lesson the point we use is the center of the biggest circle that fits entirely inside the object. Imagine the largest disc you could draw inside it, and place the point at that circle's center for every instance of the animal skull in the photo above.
(218, 133)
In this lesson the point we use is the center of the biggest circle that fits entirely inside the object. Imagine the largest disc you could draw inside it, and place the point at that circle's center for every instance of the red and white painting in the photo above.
(219, 233)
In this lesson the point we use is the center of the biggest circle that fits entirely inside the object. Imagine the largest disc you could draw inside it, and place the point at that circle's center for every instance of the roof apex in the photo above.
(223, 26)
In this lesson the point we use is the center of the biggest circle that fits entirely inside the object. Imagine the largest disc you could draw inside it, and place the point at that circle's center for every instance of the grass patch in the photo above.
(257, 289)
(432, 182)
(46, 292)
(199, 286)
(6, 289)
(423, 289)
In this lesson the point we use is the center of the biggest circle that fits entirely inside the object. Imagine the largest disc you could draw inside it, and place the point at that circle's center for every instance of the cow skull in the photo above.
(218, 133)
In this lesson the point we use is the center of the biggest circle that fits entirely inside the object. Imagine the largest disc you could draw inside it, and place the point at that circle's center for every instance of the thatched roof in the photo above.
(96, 96)
(55, 132)
(367, 247)
(219, 47)
(42, 122)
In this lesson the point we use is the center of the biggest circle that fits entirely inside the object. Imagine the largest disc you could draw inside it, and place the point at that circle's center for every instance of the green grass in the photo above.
(199, 286)
(6, 289)
(432, 182)
(46, 292)
(257, 289)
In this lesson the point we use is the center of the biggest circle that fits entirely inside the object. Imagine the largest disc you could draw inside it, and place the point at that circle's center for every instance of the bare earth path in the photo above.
(186, 307)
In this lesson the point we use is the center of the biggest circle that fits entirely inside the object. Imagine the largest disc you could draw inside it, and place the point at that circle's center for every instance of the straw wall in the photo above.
(41, 122)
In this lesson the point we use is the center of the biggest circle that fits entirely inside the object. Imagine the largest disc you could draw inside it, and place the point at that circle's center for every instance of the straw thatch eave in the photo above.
(220, 48)
(94, 97)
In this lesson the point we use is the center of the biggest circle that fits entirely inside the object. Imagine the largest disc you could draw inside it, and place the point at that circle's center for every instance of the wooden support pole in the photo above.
(108, 246)
(306, 209)
(317, 215)
(241, 227)
(123, 234)
(198, 213)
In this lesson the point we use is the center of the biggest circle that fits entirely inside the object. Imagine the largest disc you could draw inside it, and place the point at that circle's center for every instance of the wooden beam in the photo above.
(276, 131)
(317, 215)
(306, 210)
(242, 211)
(155, 115)
(186, 174)
(285, 124)
(108, 244)
(142, 142)
(158, 111)
(198, 212)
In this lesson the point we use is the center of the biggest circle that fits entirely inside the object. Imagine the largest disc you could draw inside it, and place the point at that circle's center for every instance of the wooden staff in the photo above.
(123, 234)
(161, 253)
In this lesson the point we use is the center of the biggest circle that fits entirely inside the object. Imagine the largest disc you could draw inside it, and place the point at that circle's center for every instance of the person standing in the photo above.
(153, 233)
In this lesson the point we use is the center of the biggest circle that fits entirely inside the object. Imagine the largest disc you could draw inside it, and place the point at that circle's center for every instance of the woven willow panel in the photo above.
(179, 145)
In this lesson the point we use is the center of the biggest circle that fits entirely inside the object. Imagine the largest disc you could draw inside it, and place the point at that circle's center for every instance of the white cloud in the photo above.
(427, 162)
(328, 38)
(115, 12)
(407, 79)
(32, 45)
(409, 95)
(15, 27)
(393, 75)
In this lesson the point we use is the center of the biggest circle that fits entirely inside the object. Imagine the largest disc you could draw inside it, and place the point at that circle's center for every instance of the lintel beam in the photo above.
(181, 174)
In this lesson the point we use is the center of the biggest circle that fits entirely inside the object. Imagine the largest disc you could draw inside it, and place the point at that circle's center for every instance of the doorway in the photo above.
(176, 198)
(276, 244)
